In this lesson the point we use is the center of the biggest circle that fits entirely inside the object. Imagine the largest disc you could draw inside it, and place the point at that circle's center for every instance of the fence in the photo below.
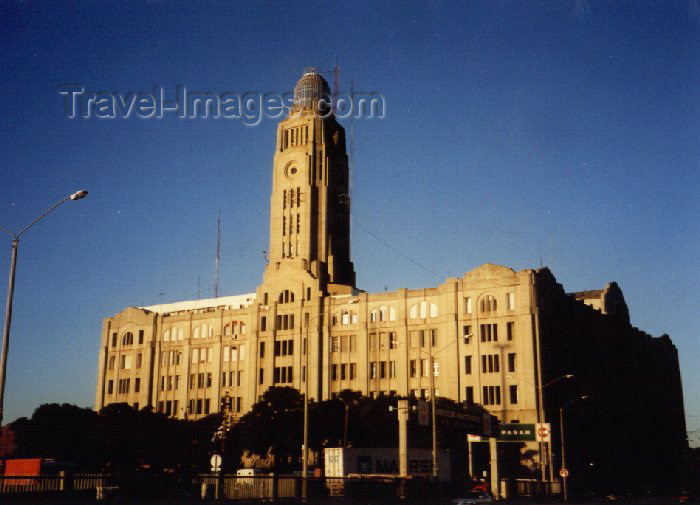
(62, 481)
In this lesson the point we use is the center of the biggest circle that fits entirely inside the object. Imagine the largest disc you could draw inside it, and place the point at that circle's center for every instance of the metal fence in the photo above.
(63, 481)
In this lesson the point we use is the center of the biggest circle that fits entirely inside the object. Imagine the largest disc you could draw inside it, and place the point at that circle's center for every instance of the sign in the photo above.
(475, 438)
(544, 432)
(516, 432)
(564, 473)
(423, 411)
(215, 463)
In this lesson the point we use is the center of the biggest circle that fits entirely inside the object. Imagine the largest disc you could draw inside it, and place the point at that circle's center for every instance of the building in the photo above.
(490, 337)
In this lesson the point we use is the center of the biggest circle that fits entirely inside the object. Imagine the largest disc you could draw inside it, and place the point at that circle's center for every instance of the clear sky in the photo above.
(557, 133)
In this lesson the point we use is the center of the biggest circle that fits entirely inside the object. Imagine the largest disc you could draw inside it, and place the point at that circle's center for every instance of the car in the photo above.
(473, 498)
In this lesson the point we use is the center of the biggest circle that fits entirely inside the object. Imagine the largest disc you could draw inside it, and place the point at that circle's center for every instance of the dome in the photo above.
(310, 89)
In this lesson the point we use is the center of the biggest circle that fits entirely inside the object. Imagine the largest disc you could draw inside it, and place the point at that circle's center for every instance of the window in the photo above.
(467, 364)
(489, 332)
(110, 365)
(510, 330)
(125, 362)
(114, 340)
(203, 331)
(490, 363)
(436, 367)
(393, 341)
(469, 395)
(513, 394)
(334, 372)
(261, 376)
(392, 369)
(335, 344)
(343, 371)
(372, 341)
(488, 304)
(110, 387)
(139, 359)
(466, 333)
(262, 349)
(123, 386)
(424, 367)
(382, 369)
(491, 395)
(511, 362)
(422, 310)
(511, 301)
(286, 296)
(352, 343)
(127, 338)
(468, 305)
(413, 368)
(353, 371)
(140, 336)
(263, 323)
(373, 370)
(137, 385)
(282, 375)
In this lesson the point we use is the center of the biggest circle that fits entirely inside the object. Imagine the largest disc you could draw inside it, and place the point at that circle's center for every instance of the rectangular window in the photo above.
(139, 358)
(262, 349)
(373, 370)
(511, 362)
(413, 369)
(424, 367)
(468, 305)
(335, 344)
(510, 330)
(393, 340)
(433, 338)
(263, 323)
(140, 336)
(513, 394)
(382, 369)
(488, 332)
(334, 372)
(137, 385)
(261, 376)
(511, 301)
(110, 387)
(467, 364)
(392, 369)
(466, 333)
(110, 365)
(353, 371)
(436, 367)
(343, 371)
(469, 395)
(372, 341)
(353, 343)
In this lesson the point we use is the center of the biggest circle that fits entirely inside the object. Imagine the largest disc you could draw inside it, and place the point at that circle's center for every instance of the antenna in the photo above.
(218, 255)
(336, 80)
(351, 158)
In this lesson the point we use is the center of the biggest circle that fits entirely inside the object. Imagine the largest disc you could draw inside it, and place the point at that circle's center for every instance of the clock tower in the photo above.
(309, 248)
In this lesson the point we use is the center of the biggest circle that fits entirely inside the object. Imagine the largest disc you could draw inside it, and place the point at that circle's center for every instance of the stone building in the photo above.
(490, 337)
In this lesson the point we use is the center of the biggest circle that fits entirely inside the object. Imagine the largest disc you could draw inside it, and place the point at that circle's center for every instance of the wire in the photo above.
(385, 243)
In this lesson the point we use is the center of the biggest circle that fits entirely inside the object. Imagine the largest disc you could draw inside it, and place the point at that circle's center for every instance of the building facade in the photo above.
(493, 336)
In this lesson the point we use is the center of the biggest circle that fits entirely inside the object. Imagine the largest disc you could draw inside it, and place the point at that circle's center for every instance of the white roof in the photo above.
(226, 302)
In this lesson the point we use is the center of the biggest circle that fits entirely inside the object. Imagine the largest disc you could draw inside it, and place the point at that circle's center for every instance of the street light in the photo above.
(11, 288)
(561, 432)
(305, 447)
(541, 418)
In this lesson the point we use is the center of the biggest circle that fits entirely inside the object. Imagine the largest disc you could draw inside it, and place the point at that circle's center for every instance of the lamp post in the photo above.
(11, 288)
(305, 446)
(541, 419)
(561, 433)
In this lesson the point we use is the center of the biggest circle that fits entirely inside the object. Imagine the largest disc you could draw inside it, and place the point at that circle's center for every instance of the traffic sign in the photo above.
(564, 472)
(543, 432)
(215, 463)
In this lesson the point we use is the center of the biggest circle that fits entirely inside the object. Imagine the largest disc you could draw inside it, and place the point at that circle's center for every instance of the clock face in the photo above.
(290, 170)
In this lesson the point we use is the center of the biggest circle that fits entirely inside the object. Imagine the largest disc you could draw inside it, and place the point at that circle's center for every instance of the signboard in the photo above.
(215, 463)
(543, 432)
(516, 432)
(423, 413)
(475, 438)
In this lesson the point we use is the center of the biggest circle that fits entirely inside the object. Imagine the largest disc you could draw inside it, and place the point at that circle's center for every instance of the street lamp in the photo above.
(561, 432)
(11, 288)
(541, 419)
(305, 447)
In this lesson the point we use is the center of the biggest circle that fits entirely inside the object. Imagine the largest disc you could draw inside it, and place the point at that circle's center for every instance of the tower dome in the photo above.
(310, 89)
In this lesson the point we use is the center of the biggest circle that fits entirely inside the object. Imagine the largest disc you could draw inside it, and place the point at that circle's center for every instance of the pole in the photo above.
(432, 406)
(402, 411)
(8, 319)
(563, 451)
(305, 448)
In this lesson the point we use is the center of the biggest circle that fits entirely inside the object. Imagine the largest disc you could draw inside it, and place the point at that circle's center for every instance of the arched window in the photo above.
(423, 310)
(127, 338)
(286, 296)
(345, 317)
(235, 328)
(382, 313)
(203, 331)
(488, 304)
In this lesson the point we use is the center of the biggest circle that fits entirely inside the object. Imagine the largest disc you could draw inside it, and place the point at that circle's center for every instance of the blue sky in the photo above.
(560, 133)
